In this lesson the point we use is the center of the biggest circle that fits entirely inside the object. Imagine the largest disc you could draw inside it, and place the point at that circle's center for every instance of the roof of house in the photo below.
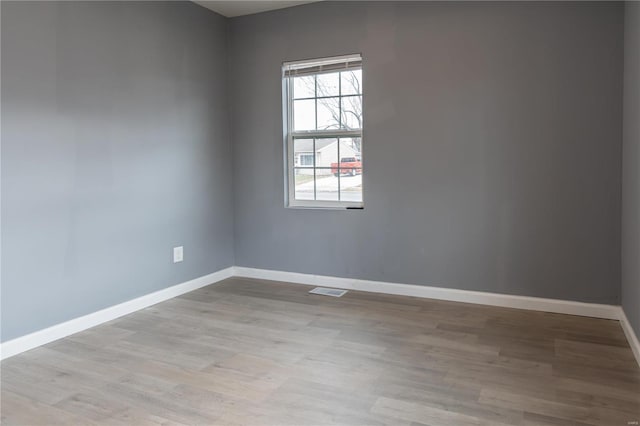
(306, 145)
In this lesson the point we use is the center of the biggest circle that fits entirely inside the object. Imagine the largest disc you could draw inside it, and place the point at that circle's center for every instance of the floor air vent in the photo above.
(333, 292)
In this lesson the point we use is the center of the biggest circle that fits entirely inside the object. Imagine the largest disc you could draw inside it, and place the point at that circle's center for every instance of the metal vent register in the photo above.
(333, 292)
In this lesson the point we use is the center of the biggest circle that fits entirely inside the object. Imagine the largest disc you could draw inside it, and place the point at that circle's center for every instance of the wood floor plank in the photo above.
(515, 400)
(411, 411)
(254, 352)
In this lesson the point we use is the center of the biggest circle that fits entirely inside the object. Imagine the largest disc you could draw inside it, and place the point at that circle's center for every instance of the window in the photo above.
(306, 160)
(323, 122)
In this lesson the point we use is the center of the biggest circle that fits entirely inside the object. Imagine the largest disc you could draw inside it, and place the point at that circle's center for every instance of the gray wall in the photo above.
(115, 148)
(492, 150)
(631, 168)
(492, 146)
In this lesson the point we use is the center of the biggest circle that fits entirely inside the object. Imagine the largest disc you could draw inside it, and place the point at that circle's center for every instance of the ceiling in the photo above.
(247, 7)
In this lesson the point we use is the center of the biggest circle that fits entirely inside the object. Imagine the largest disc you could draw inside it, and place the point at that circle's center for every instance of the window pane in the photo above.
(304, 115)
(328, 84)
(351, 188)
(352, 112)
(304, 87)
(303, 152)
(328, 113)
(326, 152)
(326, 185)
(351, 147)
(304, 189)
(351, 82)
(350, 169)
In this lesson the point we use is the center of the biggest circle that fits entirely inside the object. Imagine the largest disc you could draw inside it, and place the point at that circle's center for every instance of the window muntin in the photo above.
(324, 132)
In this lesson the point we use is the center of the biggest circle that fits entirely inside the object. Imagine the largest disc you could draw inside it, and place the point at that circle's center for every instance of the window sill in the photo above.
(324, 207)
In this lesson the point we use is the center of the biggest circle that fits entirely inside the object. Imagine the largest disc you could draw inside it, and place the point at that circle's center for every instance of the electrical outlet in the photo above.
(178, 254)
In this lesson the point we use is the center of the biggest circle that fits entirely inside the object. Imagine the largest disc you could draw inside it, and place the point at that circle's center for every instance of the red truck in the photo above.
(348, 165)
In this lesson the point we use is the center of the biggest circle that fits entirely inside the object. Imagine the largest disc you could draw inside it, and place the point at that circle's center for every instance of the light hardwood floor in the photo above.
(249, 352)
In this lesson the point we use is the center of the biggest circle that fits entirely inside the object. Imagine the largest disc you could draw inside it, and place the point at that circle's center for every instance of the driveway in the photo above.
(327, 189)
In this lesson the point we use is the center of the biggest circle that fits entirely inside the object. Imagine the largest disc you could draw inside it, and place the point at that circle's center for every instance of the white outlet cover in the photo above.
(178, 254)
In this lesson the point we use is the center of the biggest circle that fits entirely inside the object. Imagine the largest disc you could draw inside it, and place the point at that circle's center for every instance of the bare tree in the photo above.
(349, 114)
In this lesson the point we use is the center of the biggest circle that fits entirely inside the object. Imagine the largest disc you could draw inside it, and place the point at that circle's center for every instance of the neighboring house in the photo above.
(326, 152)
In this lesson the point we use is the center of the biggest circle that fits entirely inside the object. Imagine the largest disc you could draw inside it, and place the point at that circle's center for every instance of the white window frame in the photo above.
(290, 135)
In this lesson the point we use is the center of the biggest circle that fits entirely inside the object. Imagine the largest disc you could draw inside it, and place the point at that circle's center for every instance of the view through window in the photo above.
(324, 140)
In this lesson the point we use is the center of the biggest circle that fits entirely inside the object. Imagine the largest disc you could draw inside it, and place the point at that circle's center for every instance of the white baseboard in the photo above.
(593, 310)
(467, 296)
(631, 335)
(58, 331)
(47, 335)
